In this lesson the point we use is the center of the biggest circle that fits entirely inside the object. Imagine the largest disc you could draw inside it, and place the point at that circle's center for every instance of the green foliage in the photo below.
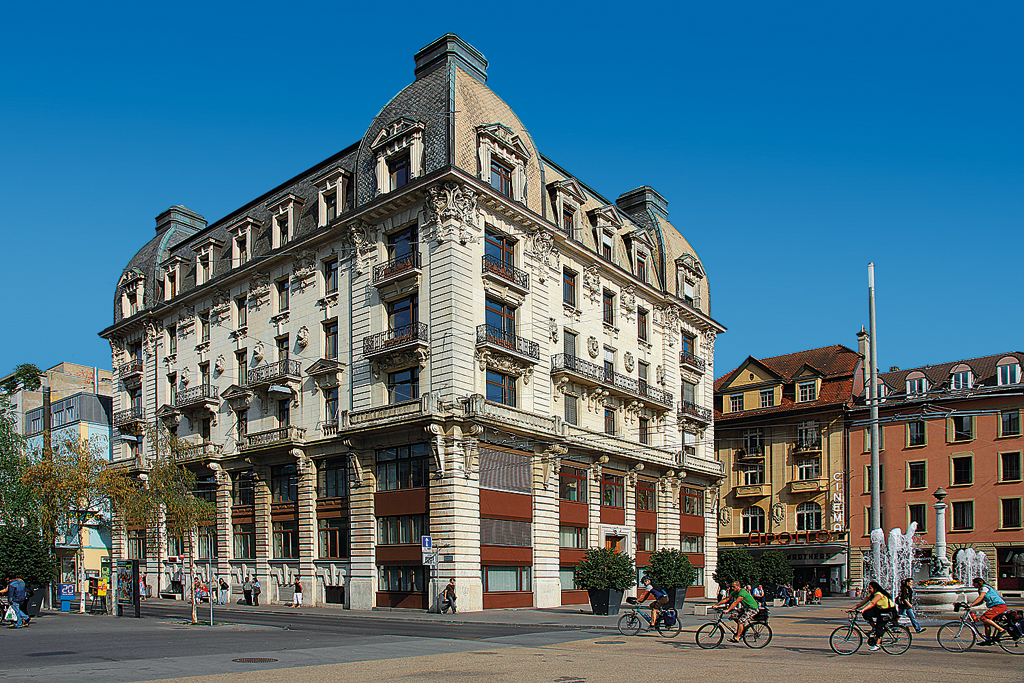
(604, 569)
(774, 568)
(17, 504)
(26, 376)
(24, 555)
(735, 564)
(671, 569)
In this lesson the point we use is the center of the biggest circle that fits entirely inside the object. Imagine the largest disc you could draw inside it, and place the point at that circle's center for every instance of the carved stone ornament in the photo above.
(399, 360)
(221, 305)
(553, 330)
(451, 213)
(725, 516)
(150, 334)
(546, 257)
(302, 337)
(778, 513)
(185, 376)
(218, 364)
(709, 338)
(659, 373)
(303, 269)
(361, 238)
(257, 351)
(504, 364)
(627, 361)
(593, 347)
(628, 300)
(259, 289)
(592, 283)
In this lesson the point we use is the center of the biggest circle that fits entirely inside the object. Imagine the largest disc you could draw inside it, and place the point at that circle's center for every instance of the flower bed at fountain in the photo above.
(938, 595)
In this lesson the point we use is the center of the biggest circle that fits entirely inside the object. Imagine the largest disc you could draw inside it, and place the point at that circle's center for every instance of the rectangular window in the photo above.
(331, 276)
(501, 388)
(606, 245)
(286, 540)
(645, 542)
(569, 343)
(641, 268)
(330, 206)
(881, 477)
(753, 441)
(207, 542)
(506, 579)
(693, 501)
(572, 484)
(1010, 518)
(960, 380)
(918, 512)
(283, 233)
(808, 391)
(753, 474)
(204, 326)
(172, 340)
(331, 339)
(567, 578)
(404, 385)
(402, 579)
(402, 529)
(506, 532)
(282, 347)
(284, 412)
(241, 366)
(916, 433)
(917, 475)
(399, 171)
(689, 345)
(244, 537)
(692, 544)
(283, 295)
(767, 398)
(917, 386)
(332, 479)
(1009, 467)
(608, 307)
(641, 324)
(1009, 422)
(242, 248)
(963, 470)
(962, 427)
(172, 286)
(881, 439)
(609, 365)
(172, 389)
(136, 544)
(572, 537)
(568, 220)
(569, 288)
(241, 312)
(609, 421)
(612, 491)
(204, 374)
(334, 538)
(175, 546)
(1009, 374)
(736, 403)
(571, 404)
(403, 467)
(646, 499)
(330, 405)
(963, 514)
(689, 392)
(501, 177)
(643, 429)
(401, 244)
(284, 483)
(242, 490)
(403, 312)
(808, 468)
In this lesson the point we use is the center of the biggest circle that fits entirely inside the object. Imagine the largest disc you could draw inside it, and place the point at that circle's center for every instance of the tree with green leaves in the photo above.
(671, 568)
(25, 555)
(25, 376)
(735, 564)
(17, 503)
(774, 569)
(605, 569)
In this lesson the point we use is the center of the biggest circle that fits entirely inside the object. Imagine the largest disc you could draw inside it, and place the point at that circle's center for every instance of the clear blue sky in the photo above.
(794, 141)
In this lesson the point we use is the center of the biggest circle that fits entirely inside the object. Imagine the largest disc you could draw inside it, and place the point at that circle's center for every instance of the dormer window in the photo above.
(283, 229)
(206, 255)
(399, 150)
(917, 384)
(960, 378)
(133, 303)
(284, 214)
(1008, 371)
(807, 391)
(330, 206)
(332, 187)
(502, 156)
(501, 177)
(689, 273)
(171, 285)
(567, 198)
(242, 238)
(641, 267)
(607, 244)
(568, 221)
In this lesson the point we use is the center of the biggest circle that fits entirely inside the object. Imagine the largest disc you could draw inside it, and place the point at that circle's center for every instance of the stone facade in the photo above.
(436, 331)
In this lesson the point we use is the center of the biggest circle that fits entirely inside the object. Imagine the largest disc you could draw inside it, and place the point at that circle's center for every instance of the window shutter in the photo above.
(569, 344)
(505, 471)
(949, 430)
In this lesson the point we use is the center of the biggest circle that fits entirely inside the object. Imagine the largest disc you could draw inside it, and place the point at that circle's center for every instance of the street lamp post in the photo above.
(940, 535)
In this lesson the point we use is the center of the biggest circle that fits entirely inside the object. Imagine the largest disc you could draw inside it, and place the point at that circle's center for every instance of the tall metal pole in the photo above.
(876, 505)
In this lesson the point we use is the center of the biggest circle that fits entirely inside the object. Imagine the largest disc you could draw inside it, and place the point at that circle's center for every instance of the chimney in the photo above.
(863, 339)
(180, 217)
(893, 368)
(641, 200)
(450, 49)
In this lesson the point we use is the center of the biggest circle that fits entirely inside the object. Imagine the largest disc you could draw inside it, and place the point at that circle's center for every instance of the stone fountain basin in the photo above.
(940, 598)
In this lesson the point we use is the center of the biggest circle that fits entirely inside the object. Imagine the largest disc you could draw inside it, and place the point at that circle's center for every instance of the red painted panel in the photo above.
(504, 505)
(399, 554)
(646, 521)
(240, 515)
(575, 598)
(642, 559)
(575, 514)
(408, 502)
(332, 507)
(569, 557)
(695, 592)
(402, 600)
(507, 600)
(502, 555)
(696, 559)
(613, 515)
(692, 525)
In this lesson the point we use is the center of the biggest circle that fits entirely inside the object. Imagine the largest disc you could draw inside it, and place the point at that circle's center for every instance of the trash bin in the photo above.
(65, 603)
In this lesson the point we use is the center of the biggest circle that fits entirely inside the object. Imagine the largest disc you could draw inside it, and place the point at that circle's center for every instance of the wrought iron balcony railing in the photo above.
(271, 372)
(285, 434)
(625, 384)
(132, 368)
(129, 416)
(203, 393)
(490, 334)
(803, 445)
(384, 342)
(691, 410)
(688, 359)
(396, 267)
(507, 272)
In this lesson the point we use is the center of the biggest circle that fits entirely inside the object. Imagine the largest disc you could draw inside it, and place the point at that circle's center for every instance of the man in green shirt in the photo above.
(745, 606)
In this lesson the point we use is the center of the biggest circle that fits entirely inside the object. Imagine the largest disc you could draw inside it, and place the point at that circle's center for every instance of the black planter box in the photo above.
(676, 597)
(605, 602)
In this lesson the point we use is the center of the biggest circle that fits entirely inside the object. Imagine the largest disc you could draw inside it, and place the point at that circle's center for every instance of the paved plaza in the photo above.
(553, 646)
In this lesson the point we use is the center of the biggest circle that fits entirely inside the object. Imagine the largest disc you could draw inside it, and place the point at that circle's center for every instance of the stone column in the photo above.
(223, 525)
(668, 513)
(940, 534)
(547, 588)
(594, 507)
(362, 586)
(307, 524)
(263, 528)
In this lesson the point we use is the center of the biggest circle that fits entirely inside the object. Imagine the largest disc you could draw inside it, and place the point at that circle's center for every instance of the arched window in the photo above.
(961, 377)
(917, 383)
(753, 520)
(1008, 371)
(808, 516)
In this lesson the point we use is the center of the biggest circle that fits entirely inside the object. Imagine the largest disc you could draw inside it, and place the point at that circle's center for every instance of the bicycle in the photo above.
(630, 623)
(846, 640)
(756, 635)
(961, 634)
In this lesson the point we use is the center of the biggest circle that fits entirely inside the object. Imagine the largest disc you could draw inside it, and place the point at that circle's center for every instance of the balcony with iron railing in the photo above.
(203, 394)
(128, 417)
(277, 371)
(284, 435)
(691, 411)
(749, 453)
(389, 341)
(810, 445)
(197, 451)
(131, 371)
(491, 336)
(397, 268)
(609, 379)
(691, 362)
(506, 273)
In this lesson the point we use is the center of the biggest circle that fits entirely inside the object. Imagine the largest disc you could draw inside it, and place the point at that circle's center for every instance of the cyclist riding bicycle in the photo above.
(996, 606)
(660, 597)
(745, 606)
(880, 606)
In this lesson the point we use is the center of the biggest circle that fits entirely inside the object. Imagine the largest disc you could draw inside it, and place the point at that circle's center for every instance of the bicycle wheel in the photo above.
(710, 635)
(669, 631)
(956, 637)
(757, 634)
(896, 639)
(630, 624)
(1014, 647)
(845, 640)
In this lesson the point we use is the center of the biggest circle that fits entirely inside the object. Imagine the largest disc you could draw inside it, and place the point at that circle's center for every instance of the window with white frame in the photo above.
(753, 474)
(284, 216)
(1008, 371)
(753, 520)
(807, 391)
(917, 384)
(808, 516)
(331, 189)
(753, 441)
(808, 468)
(767, 398)
(172, 277)
(206, 252)
(398, 148)
(607, 245)
(243, 235)
(736, 403)
(960, 378)
(502, 155)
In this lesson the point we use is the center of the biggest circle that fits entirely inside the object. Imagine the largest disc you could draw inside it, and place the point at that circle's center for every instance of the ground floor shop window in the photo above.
(404, 579)
(566, 578)
(245, 541)
(286, 540)
(207, 542)
(506, 579)
(136, 544)
(333, 538)
(691, 544)
(1011, 568)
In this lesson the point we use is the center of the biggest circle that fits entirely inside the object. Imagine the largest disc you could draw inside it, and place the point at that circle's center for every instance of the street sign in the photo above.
(426, 543)
(429, 558)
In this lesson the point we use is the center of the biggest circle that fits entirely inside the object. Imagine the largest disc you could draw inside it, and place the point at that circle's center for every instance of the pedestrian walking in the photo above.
(224, 589)
(16, 593)
(448, 598)
(905, 603)
(256, 590)
(297, 601)
(142, 587)
(247, 590)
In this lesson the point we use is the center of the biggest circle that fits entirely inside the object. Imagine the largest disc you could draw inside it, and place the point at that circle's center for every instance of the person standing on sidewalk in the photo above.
(297, 601)
(905, 603)
(758, 594)
(16, 593)
(247, 590)
(256, 590)
(224, 588)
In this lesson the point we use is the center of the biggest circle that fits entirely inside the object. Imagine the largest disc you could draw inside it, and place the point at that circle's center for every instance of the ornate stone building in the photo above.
(437, 331)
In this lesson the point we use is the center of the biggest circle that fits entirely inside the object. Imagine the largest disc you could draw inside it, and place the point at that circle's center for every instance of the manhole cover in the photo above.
(254, 660)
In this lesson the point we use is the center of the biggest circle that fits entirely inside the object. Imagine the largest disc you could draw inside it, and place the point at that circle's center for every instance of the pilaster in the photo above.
(306, 471)
(362, 588)
(263, 527)
(547, 588)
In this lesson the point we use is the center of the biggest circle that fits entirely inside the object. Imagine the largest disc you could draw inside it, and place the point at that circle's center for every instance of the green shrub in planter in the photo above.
(671, 571)
(605, 575)
(736, 564)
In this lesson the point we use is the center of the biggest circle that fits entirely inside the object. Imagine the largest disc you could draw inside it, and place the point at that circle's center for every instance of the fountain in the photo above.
(941, 589)
(898, 559)
(971, 565)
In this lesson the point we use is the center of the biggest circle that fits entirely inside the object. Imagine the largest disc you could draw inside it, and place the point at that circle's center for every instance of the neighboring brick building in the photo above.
(780, 435)
(435, 331)
(952, 425)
